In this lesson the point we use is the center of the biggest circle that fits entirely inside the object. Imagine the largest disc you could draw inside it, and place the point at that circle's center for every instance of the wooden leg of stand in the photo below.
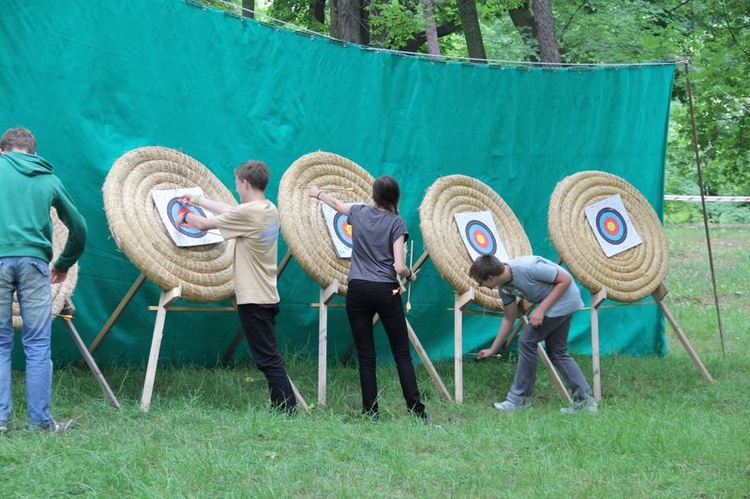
(233, 347)
(553, 373)
(458, 342)
(326, 295)
(322, 349)
(298, 396)
(153, 359)
(596, 300)
(659, 297)
(118, 311)
(98, 376)
(427, 362)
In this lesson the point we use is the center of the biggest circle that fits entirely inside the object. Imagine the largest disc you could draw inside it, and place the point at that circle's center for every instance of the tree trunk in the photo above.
(420, 38)
(319, 10)
(248, 8)
(523, 20)
(467, 11)
(346, 19)
(545, 28)
(431, 30)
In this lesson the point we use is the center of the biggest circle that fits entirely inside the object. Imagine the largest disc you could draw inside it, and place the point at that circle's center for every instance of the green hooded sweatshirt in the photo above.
(27, 191)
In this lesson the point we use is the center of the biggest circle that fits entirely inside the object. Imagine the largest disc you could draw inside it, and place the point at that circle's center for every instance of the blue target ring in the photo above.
(343, 229)
(480, 238)
(611, 226)
(175, 209)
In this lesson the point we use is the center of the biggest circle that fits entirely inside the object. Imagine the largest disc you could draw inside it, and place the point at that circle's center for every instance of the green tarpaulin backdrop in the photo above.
(94, 80)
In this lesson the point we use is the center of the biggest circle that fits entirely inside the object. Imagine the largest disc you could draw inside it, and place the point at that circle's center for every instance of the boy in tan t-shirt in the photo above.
(254, 225)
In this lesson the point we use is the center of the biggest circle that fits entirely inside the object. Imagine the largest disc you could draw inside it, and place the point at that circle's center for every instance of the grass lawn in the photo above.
(661, 431)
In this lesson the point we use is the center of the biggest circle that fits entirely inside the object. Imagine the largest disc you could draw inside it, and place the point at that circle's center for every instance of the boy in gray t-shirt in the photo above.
(551, 287)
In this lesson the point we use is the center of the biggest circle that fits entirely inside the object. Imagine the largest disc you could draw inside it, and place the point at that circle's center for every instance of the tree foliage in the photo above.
(714, 35)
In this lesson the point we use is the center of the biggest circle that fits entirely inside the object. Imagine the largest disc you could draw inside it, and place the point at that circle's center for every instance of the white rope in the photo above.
(715, 199)
(435, 58)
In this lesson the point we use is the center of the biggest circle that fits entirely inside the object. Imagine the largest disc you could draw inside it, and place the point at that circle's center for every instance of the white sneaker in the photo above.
(586, 405)
(508, 406)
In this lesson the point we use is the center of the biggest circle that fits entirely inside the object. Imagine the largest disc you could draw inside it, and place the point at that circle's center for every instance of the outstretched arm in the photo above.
(331, 201)
(195, 220)
(216, 207)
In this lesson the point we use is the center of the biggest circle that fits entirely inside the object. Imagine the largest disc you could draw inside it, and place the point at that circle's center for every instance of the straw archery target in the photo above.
(147, 237)
(612, 226)
(641, 264)
(455, 197)
(304, 226)
(61, 291)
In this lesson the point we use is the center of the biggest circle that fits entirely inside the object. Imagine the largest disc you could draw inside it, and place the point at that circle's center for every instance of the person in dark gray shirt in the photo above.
(537, 280)
(378, 236)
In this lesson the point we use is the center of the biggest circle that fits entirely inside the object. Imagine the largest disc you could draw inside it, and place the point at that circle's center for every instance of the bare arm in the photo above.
(559, 286)
(216, 207)
(399, 260)
(510, 313)
(193, 219)
(331, 201)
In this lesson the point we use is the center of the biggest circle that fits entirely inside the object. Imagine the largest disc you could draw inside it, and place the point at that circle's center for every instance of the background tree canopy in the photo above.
(713, 35)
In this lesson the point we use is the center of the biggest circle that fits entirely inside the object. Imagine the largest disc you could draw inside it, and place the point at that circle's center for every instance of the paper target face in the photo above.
(612, 226)
(479, 235)
(167, 202)
(339, 229)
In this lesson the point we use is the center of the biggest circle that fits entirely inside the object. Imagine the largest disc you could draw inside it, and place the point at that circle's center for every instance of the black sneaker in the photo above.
(427, 422)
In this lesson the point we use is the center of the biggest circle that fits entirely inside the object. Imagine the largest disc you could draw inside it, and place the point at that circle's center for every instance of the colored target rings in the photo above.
(480, 238)
(343, 229)
(611, 226)
(175, 209)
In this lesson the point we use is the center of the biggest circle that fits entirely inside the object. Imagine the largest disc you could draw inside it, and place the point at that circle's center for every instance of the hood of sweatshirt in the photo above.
(27, 164)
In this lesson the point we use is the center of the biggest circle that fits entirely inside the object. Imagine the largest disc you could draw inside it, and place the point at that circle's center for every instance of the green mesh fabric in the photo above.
(95, 80)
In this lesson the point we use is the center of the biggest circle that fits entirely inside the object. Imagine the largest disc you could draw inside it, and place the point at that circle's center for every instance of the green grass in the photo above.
(662, 431)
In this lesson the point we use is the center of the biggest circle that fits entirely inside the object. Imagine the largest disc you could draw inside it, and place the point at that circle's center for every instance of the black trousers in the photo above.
(259, 325)
(364, 299)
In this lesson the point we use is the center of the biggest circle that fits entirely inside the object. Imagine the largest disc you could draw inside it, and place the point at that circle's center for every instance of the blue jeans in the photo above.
(554, 333)
(30, 278)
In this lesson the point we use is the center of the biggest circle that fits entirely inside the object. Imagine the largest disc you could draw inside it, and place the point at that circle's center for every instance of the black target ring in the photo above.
(611, 226)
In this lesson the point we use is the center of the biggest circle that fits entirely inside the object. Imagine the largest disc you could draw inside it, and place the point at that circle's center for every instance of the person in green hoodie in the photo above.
(28, 189)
